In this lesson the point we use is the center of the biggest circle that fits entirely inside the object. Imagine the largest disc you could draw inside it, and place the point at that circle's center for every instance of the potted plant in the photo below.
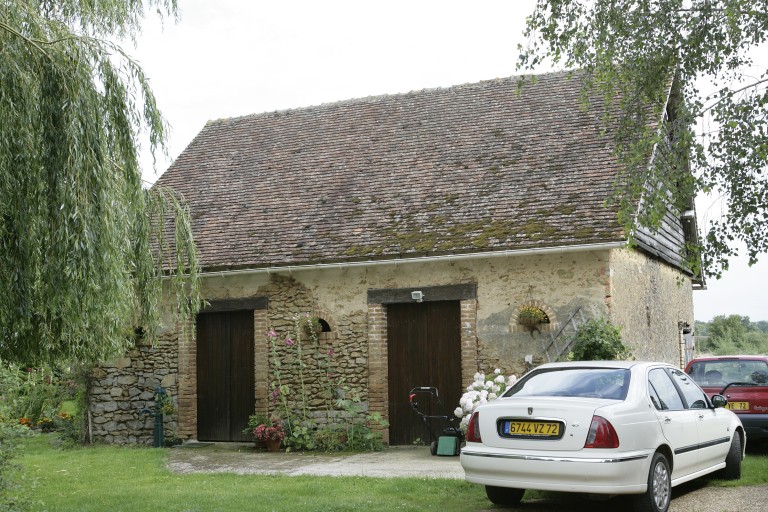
(531, 316)
(272, 435)
(265, 432)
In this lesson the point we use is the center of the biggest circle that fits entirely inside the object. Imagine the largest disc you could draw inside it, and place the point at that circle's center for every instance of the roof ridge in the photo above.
(380, 97)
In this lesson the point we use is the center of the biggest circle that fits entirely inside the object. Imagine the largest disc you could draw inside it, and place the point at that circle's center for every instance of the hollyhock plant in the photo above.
(482, 390)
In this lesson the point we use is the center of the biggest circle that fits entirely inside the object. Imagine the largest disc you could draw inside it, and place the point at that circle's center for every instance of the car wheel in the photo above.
(732, 469)
(656, 497)
(504, 495)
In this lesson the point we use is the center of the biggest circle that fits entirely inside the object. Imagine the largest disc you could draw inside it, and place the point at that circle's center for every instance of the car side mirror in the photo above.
(719, 401)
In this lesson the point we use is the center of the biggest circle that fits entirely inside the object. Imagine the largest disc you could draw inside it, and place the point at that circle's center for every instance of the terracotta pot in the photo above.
(273, 445)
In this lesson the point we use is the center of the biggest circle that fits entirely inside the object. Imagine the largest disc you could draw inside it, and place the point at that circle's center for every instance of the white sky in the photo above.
(228, 58)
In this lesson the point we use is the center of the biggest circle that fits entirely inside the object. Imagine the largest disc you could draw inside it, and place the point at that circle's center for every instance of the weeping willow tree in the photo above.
(720, 119)
(87, 255)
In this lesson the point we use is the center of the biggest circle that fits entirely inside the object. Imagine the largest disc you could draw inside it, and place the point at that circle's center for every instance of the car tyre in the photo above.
(659, 493)
(504, 495)
(732, 469)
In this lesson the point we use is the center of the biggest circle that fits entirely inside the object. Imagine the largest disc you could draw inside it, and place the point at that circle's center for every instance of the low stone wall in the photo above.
(122, 390)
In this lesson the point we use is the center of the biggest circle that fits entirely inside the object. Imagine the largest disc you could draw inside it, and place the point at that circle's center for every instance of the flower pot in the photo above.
(273, 445)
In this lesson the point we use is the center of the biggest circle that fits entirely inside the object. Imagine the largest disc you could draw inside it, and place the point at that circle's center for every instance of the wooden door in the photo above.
(424, 349)
(225, 385)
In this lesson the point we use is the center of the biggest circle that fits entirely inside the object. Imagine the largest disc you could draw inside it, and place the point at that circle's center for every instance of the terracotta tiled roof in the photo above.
(476, 167)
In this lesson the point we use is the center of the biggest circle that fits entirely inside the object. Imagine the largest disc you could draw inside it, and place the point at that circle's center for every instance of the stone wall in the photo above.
(333, 363)
(121, 389)
(645, 297)
(648, 298)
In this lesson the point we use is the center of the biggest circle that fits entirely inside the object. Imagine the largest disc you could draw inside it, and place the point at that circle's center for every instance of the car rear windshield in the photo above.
(722, 372)
(611, 383)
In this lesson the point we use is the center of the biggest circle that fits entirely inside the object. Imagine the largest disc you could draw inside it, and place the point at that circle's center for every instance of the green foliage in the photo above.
(701, 328)
(47, 398)
(12, 487)
(14, 491)
(732, 334)
(31, 394)
(598, 340)
(632, 49)
(83, 247)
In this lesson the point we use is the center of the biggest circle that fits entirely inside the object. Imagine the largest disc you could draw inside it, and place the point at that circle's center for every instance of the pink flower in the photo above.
(271, 333)
(289, 342)
(330, 352)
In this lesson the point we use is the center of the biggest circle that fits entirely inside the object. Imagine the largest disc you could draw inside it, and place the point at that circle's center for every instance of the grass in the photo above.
(123, 479)
(754, 469)
(135, 479)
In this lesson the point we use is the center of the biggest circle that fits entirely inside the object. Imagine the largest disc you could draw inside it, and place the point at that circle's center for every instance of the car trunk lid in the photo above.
(540, 423)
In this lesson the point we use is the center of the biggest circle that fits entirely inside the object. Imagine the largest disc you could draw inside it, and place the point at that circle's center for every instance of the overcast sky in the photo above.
(229, 58)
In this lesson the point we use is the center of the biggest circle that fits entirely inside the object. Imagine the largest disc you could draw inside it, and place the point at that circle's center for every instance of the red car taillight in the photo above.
(473, 429)
(601, 434)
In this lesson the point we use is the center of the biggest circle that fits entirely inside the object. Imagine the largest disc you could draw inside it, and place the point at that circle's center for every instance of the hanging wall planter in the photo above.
(531, 317)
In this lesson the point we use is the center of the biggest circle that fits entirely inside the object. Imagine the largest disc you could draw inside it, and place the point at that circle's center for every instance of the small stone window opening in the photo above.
(324, 326)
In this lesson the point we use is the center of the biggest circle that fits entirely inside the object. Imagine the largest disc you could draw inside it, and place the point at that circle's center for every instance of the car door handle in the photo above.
(667, 419)
(701, 416)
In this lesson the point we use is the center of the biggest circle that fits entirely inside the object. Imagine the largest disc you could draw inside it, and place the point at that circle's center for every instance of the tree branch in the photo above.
(737, 91)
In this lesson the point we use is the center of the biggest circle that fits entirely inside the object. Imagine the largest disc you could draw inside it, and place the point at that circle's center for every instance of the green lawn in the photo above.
(135, 479)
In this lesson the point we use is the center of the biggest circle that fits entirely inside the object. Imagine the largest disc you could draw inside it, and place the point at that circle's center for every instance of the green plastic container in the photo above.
(448, 446)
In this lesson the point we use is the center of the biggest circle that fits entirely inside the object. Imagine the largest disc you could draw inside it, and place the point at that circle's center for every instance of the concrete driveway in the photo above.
(417, 462)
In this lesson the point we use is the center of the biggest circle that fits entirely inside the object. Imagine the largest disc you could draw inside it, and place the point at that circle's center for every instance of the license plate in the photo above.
(737, 406)
(531, 428)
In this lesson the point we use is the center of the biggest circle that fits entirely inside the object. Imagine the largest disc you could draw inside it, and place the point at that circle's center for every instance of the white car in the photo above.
(601, 427)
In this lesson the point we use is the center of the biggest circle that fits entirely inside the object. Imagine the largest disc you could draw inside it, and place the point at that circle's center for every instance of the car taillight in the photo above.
(601, 434)
(473, 429)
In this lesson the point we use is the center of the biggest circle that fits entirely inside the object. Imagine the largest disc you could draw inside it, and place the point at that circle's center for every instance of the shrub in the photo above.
(13, 491)
(598, 340)
(482, 390)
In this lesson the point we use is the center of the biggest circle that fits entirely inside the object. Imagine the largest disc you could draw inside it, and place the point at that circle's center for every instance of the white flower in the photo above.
(481, 391)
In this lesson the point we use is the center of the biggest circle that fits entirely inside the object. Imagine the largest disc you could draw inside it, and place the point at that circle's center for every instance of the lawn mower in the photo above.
(450, 441)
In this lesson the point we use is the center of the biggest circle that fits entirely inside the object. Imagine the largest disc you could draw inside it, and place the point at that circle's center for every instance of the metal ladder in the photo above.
(567, 331)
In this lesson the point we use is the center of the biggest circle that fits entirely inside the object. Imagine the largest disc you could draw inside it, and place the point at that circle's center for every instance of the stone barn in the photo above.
(417, 229)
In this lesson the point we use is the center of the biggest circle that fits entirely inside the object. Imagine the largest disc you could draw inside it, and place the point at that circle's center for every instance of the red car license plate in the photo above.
(738, 406)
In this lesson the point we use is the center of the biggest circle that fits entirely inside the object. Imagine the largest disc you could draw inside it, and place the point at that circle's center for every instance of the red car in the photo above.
(743, 380)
